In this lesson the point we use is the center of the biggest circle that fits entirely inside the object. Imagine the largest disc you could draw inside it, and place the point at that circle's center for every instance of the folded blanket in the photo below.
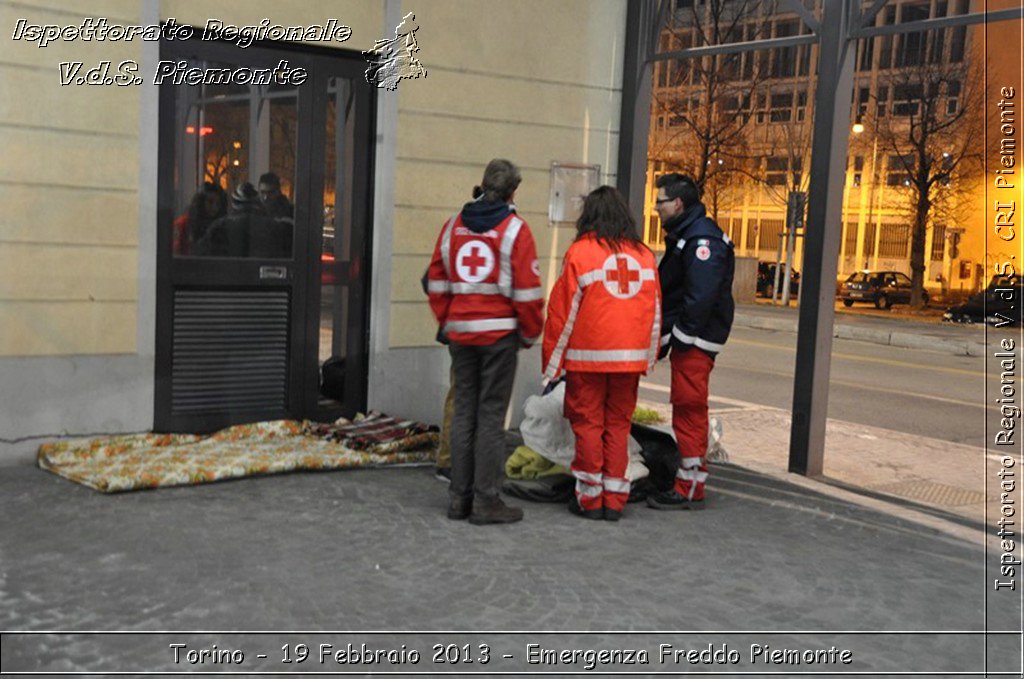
(525, 463)
(376, 433)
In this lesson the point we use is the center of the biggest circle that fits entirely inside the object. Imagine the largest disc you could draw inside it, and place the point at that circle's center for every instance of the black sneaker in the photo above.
(460, 508)
(443, 474)
(612, 514)
(595, 514)
(670, 499)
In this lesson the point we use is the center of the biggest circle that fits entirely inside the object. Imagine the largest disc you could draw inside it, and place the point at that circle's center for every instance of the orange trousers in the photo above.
(691, 371)
(600, 406)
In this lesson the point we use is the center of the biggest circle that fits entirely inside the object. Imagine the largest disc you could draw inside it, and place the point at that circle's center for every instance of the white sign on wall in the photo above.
(570, 184)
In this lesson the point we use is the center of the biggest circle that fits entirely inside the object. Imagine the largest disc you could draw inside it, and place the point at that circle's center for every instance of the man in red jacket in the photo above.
(485, 291)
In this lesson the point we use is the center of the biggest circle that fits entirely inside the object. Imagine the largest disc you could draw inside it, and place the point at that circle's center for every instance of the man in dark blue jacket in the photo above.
(697, 308)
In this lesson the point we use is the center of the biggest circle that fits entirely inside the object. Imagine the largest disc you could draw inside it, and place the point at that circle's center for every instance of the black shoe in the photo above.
(574, 508)
(460, 508)
(670, 499)
(612, 514)
(494, 511)
(443, 474)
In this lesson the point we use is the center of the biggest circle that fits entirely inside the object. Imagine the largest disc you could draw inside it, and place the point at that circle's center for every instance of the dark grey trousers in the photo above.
(483, 387)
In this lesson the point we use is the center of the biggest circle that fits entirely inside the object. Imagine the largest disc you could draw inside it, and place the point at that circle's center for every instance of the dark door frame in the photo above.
(304, 278)
(353, 275)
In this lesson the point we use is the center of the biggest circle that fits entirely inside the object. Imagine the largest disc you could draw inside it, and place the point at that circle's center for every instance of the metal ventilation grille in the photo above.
(230, 352)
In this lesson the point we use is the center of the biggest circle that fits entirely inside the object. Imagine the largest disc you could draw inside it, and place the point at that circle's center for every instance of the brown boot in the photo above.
(494, 511)
(459, 508)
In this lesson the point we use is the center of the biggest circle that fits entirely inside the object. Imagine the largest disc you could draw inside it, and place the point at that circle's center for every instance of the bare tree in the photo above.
(784, 157)
(782, 171)
(930, 132)
(704, 104)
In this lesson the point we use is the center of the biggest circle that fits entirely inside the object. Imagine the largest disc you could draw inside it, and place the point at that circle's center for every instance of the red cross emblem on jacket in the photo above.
(474, 262)
(622, 276)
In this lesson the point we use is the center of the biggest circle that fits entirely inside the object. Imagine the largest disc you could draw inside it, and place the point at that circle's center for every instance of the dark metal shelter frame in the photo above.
(841, 24)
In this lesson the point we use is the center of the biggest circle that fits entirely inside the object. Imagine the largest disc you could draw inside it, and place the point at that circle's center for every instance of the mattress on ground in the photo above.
(138, 461)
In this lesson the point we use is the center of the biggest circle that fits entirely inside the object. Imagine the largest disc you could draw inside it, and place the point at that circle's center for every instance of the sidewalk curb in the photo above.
(764, 322)
(907, 340)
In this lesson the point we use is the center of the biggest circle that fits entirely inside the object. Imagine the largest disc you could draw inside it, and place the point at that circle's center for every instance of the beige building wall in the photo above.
(502, 81)
(69, 188)
(69, 182)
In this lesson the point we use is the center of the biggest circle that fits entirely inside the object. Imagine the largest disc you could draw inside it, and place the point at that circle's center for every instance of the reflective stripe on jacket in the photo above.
(485, 285)
(604, 313)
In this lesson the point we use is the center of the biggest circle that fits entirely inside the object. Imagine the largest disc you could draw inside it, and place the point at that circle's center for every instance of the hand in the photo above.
(664, 351)
(550, 386)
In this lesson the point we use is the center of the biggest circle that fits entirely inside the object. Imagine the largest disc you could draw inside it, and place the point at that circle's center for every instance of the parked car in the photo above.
(998, 304)
(766, 280)
(881, 288)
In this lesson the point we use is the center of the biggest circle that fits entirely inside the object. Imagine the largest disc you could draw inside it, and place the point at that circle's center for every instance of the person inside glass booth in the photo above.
(247, 230)
(274, 202)
(209, 204)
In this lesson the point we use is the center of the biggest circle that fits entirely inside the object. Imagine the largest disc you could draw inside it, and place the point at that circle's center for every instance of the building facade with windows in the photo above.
(743, 123)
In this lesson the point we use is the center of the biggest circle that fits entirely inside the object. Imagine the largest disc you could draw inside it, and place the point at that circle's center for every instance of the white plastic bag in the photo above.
(716, 451)
(546, 431)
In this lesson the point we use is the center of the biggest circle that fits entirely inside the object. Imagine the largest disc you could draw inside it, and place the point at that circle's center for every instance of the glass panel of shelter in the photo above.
(338, 268)
(229, 137)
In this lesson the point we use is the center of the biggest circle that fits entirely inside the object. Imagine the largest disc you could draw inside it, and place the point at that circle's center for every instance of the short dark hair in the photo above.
(679, 186)
(501, 179)
(606, 215)
(270, 178)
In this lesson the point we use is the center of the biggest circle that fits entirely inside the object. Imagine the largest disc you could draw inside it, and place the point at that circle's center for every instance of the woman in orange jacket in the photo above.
(602, 333)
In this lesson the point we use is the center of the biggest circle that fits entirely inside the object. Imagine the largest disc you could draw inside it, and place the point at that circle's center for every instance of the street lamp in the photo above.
(858, 128)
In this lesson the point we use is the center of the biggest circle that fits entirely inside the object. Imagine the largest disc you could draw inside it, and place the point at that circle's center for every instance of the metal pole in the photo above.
(778, 269)
(783, 270)
(794, 219)
(643, 25)
(832, 101)
(790, 247)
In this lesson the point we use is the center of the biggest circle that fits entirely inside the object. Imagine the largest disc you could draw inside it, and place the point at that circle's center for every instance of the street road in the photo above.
(908, 390)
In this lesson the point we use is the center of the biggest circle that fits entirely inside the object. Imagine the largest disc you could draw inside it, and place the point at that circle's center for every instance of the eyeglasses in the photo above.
(659, 201)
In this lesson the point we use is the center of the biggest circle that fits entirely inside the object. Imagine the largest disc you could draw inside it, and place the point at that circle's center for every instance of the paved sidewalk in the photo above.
(883, 558)
(892, 556)
(898, 331)
(942, 483)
